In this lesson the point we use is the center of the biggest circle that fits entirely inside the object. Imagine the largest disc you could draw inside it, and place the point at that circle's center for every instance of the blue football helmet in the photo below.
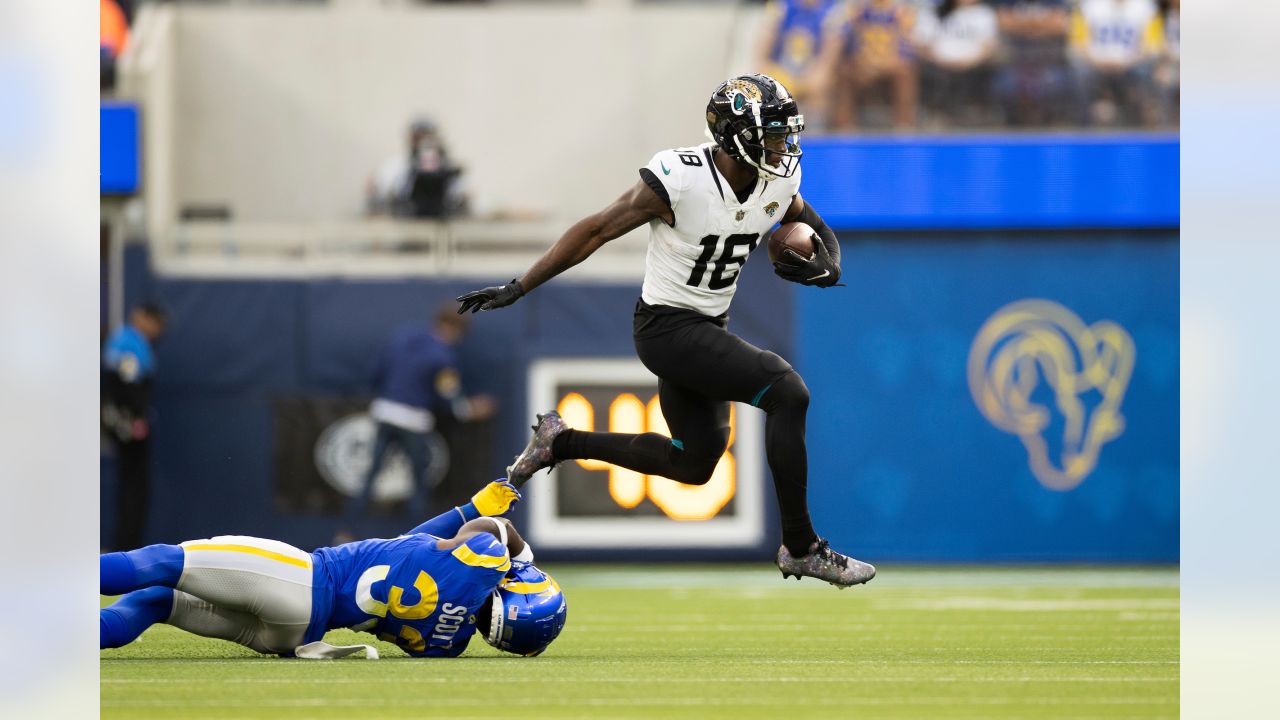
(527, 611)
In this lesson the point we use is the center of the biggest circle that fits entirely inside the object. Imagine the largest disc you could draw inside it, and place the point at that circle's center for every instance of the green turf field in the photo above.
(733, 642)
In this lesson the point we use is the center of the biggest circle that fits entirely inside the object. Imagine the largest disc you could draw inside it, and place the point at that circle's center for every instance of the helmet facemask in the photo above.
(496, 619)
(773, 151)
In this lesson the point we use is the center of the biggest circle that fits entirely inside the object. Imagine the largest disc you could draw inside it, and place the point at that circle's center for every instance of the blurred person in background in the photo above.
(958, 42)
(419, 183)
(416, 380)
(128, 370)
(113, 38)
(707, 208)
(877, 50)
(1168, 67)
(1115, 44)
(1031, 85)
(791, 49)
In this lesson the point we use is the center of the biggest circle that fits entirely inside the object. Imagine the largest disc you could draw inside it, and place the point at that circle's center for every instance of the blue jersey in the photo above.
(128, 354)
(800, 32)
(880, 35)
(407, 591)
(419, 370)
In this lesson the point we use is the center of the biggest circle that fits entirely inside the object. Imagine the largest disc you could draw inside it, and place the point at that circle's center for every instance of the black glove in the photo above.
(491, 298)
(819, 270)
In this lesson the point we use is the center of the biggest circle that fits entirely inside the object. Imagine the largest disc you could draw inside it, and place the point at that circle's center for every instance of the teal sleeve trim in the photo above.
(678, 443)
(755, 401)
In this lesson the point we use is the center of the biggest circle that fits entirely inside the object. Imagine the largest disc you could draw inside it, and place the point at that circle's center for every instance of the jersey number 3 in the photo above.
(721, 276)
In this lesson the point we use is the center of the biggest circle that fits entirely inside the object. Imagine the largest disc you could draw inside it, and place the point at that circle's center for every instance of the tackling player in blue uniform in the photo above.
(428, 591)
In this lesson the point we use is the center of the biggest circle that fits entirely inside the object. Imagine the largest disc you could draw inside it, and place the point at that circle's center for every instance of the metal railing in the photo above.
(382, 248)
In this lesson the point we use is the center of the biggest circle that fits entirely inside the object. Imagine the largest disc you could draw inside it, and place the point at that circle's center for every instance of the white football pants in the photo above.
(248, 590)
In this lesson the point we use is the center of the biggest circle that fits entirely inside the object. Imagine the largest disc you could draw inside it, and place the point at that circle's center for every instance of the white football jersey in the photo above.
(694, 263)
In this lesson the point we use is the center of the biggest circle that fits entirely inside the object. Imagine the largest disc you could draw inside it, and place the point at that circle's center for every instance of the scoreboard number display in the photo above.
(588, 504)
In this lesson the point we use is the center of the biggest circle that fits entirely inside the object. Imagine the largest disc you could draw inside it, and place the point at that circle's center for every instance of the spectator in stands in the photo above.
(791, 47)
(1168, 70)
(128, 370)
(958, 43)
(877, 50)
(421, 182)
(113, 38)
(1114, 47)
(1031, 86)
(416, 380)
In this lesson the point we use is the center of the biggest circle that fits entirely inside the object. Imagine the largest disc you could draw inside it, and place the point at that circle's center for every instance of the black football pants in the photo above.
(701, 368)
(133, 494)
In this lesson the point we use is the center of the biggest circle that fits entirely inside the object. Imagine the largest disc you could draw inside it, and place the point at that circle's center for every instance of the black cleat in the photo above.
(537, 454)
(824, 563)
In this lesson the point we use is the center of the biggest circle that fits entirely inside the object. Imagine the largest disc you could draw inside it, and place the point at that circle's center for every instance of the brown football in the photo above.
(795, 235)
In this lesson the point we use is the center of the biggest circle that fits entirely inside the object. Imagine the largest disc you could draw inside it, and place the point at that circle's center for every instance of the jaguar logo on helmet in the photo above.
(749, 89)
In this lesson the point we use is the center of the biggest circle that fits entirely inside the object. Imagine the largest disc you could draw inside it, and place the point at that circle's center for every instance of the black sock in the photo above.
(787, 402)
(648, 453)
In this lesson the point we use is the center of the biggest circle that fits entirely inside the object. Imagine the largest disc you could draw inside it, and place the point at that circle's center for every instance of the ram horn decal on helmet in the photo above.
(527, 611)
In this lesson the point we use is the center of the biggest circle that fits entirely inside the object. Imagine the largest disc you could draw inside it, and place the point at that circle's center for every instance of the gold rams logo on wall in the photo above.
(1038, 372)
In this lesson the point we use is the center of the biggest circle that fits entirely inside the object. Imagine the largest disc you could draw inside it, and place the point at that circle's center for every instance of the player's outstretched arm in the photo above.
(496, 498)
(636, 207)
(821, 270)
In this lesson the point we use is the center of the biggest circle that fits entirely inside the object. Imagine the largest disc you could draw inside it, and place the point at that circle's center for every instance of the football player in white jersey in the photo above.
(707, 208)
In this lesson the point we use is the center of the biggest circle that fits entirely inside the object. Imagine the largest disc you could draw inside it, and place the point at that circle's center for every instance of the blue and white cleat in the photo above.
(824, 563)
(537, 454)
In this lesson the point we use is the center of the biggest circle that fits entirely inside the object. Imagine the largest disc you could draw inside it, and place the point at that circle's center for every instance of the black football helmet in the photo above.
(755, 119)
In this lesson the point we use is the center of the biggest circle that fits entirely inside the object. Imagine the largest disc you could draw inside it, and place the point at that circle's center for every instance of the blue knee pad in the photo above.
(122, 572)
(123, 622)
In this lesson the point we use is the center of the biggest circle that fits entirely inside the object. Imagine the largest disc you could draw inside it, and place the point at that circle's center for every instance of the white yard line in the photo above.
(766, 578)
(485, 701)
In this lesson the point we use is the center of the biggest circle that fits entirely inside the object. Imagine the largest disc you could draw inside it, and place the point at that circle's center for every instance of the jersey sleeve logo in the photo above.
(665, 171)
(771, 209)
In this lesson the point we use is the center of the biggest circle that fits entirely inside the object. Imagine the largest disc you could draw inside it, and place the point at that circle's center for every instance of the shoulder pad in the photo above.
(483, 550)
(672, 169)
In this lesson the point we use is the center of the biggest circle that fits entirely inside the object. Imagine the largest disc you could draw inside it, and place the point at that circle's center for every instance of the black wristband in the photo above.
(810, 217)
